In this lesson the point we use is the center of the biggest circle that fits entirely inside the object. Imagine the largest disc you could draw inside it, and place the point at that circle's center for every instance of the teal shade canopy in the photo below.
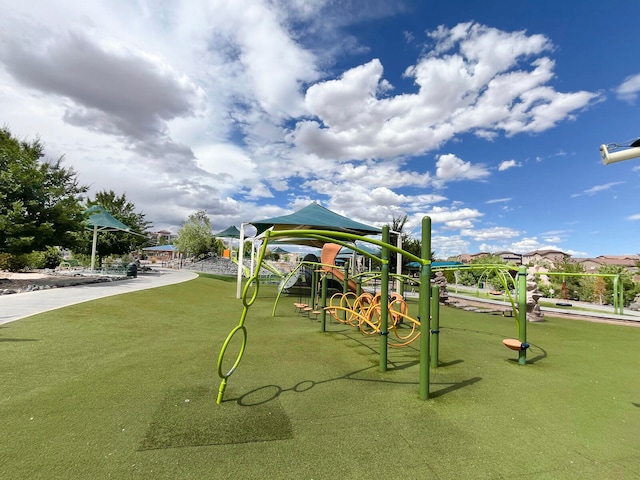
(229, 232)
(315, 217)
(104, 221)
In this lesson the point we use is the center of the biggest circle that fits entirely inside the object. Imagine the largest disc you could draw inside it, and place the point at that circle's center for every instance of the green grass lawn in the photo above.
(125, 387)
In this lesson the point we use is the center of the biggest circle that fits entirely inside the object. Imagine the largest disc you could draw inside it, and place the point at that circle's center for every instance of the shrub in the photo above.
(52, 257)
(12, 263)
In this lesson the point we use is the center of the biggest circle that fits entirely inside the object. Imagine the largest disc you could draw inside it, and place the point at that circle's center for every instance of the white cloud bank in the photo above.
(218, 105)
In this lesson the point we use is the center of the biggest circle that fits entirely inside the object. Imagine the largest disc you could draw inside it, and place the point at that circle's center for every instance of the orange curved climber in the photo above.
(328, 260)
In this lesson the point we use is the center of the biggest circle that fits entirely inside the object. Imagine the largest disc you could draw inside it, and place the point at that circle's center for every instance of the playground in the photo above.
(378, 314)
(125, 387)
(351, 384)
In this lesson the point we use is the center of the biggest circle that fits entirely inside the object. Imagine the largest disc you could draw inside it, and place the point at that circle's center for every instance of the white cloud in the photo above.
(498, 200)
(446, 214)
(598, 188)
(493, 233)
(451, 168)
(445, 246)
(507, 164)
(382, 173)
(458, 224)
(475, 79)
(634, 217)
(218, 105)
(629, 88)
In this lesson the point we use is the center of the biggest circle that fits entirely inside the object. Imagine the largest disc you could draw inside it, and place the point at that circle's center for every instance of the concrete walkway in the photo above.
(603, 311)
(21, 305)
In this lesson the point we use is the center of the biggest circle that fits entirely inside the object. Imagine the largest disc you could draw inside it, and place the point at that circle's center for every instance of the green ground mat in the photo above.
(189, 417)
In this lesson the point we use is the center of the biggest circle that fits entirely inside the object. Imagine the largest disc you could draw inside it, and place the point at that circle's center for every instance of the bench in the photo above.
(71, 264)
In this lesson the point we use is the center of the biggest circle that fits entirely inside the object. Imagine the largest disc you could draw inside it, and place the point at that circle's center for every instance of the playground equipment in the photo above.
(251, 288)
(618, 285)
(365, 312)
(328, 260)
(377, 323)
(304, 278)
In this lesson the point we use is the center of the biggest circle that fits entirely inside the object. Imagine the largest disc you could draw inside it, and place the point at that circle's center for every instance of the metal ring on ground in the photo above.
(224, 349)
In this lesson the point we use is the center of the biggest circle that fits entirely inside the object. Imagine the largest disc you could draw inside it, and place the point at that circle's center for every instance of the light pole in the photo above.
(630, 151)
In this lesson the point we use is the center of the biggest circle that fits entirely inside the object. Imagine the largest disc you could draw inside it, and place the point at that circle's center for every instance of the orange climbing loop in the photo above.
(364, 311)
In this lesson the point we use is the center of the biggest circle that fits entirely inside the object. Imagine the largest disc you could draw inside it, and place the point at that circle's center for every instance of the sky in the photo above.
(485, 116)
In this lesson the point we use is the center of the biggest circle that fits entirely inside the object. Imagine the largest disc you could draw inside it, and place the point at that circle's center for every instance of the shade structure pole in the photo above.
(93, 247)
(253, 257)
(399, 281)
(240, 255)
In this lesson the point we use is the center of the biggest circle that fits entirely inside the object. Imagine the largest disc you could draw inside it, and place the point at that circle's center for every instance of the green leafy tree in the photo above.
(570, 286)
(246, 248)
(117, 243)
(39, 200)
(626, 282)
(218, 246)
(195, 238)
(482, 271)
(409, 244)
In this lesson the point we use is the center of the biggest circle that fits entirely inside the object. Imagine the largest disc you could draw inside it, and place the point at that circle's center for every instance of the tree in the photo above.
(117, 243)
(246, 248)
(39, 200)
(569, 286)
(625, 282)
(195, 237)
(483, 271)
(409, 244)
(599, 290)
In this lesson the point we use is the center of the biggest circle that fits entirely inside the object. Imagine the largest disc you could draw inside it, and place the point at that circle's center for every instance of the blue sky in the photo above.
(486, 116)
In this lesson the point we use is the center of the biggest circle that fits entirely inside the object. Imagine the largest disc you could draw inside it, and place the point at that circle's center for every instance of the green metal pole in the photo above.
(522, 313)
(314, 288)
(323, 304)
(424, 307)
(616, 298)
(621, 288)
(345, 282)
(384, 300)
(435, 325)
(359, 286)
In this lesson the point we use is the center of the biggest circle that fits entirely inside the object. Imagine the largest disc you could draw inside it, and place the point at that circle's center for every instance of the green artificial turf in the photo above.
(125, 387)
(189, 417)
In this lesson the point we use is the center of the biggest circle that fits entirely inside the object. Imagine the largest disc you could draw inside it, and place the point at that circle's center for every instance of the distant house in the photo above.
(161, 236)
(510, 257)
(591, 265)
(505, 256)
(552, 257)
(161, 253)
(468, 257)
